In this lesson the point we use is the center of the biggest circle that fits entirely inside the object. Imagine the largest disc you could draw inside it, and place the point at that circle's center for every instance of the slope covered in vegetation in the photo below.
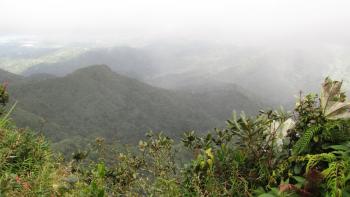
(301, 153)
(95, 101)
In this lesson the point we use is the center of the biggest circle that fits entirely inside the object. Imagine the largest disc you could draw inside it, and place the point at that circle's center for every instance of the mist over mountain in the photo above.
(172, 66)
(126, 60)
(174, 98)
(95, 101)
(272, 73)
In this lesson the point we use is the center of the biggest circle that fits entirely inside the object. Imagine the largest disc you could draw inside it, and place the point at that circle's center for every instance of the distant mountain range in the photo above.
(125, 60)
(167, 86)
(274, 74)
(95, 101)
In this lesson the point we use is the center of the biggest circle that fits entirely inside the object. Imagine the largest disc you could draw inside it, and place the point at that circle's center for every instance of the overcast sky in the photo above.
(149, 19)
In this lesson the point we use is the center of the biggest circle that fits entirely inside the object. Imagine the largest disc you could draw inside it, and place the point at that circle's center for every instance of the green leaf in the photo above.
(299, 179)
(297, 169)
(101, 193)
(101, 170)
(267, 195)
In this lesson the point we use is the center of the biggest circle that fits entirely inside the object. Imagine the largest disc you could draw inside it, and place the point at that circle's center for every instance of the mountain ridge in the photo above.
(96, 101)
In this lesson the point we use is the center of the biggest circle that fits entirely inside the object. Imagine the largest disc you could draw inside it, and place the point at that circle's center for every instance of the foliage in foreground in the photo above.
(302, 153)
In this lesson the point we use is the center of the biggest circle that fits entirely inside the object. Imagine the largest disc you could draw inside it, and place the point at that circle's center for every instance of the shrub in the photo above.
(301, 153)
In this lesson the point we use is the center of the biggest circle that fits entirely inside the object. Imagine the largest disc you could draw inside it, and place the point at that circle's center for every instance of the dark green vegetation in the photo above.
(276, 153)
(95, 101)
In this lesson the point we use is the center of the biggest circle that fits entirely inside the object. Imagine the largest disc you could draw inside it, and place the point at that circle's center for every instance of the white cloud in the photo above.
(111, 18)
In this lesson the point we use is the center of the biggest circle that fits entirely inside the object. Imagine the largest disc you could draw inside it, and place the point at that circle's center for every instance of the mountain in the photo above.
(221, 99)
(26, 58)
(10, 77)
(125, 60)
(95, 101)
(275, 72)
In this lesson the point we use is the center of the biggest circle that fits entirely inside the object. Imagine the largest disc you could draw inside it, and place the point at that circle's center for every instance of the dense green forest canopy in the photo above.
(276, 153)
(95, 101)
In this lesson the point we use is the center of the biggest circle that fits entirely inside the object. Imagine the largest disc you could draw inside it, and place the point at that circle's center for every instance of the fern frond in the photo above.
(335, 178)
(313, 160)
(304, 142)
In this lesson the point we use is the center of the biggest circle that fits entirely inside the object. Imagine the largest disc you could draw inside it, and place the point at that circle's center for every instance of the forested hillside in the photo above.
(276, 153)
(172, 98)
(95, 101)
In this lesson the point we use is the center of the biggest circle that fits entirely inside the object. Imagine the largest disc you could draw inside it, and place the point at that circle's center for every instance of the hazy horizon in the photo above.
(275, 47)
(138, 22)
